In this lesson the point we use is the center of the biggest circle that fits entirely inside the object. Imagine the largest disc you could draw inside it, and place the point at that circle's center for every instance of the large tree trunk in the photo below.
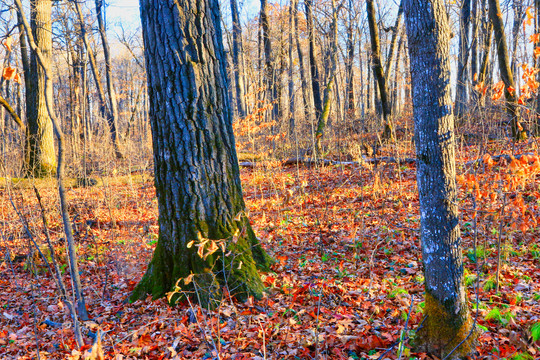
(378, 71)
(113, 105)
(447, 318)
(238, 69)
(196, 168)
(495, 14)
(40, 153)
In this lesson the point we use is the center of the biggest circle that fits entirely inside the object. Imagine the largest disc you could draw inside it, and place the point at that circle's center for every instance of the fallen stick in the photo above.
(497, 158)
(311, 161)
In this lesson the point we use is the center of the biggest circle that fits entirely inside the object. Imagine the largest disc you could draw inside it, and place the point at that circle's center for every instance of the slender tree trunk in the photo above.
(314, 69)
(113, 105)
(103, 108)
(40, 153)
(238, 73)
(327, 103)
(480, 83)
(396, 32)
(537, 44)
(349, 73)
(495, 13)
(447, 318)
(517, 6)
(301, 66)
(200, 202)
(461, 85)
(269, 71)
(378, 71)
(41, 59)
(474, 48)
(291, 67)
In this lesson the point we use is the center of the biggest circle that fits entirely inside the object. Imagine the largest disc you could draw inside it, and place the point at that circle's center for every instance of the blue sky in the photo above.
(127, 11)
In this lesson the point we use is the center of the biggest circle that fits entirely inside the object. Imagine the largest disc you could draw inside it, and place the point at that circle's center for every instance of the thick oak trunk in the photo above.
(448, 321)
(196, 170)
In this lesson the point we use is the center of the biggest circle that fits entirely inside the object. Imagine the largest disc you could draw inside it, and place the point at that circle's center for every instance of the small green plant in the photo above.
(480, 253)
(489, 284)
(535, 331)
(497, 316)
(396, 292)
(522, 356)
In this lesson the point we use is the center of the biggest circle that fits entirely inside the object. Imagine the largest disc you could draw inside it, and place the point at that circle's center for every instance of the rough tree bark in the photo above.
(448, 322)
(495, 14)
(40, 153)
(196, 169)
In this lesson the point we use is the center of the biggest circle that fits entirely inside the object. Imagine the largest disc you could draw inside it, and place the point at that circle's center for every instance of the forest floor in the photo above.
(347, 282)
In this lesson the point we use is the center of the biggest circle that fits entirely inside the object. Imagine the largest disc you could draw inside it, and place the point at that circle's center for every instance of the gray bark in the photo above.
(448, 321)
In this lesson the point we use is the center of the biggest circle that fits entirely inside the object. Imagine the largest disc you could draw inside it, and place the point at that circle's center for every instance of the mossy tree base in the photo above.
(235, 270)
(443, 330)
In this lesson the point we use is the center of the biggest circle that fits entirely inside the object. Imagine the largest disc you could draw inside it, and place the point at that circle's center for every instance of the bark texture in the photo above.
(196, 168)
(448, 321)
(40, 153)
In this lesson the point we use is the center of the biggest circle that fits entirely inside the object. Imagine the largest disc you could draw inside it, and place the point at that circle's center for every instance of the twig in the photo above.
(400, 340)
(499, 244)
(405, 328)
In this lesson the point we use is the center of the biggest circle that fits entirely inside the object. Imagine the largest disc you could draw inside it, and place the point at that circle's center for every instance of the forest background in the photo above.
(328, 172)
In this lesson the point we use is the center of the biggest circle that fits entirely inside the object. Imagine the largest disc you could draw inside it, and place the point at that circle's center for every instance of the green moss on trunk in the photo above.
(443, 330)
(235, 270)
